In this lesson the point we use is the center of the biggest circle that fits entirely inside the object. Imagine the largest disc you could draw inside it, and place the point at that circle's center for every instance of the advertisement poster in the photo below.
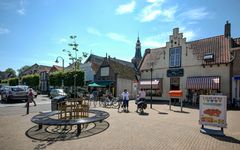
(213, 110)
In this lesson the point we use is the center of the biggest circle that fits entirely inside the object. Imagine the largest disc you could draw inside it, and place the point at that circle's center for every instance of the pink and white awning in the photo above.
(147, 84)
(203, 82)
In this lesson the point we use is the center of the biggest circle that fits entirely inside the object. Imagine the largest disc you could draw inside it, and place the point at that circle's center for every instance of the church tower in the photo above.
(138, 56)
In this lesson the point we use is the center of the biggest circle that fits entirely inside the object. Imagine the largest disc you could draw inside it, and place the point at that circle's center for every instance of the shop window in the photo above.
(175, 57)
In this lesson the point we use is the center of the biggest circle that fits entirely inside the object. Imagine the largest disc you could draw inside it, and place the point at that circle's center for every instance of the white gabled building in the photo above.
(202, 66)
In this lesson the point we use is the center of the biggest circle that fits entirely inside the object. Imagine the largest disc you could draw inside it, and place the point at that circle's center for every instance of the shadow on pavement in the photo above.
(177, 111)
(12, 102)
(62, 133)
(143, 114)
(226, 139)
(159, 112)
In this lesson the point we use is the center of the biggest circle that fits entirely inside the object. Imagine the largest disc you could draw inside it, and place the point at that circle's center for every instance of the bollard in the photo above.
(170, 104)
(181, 104)
(27, 108)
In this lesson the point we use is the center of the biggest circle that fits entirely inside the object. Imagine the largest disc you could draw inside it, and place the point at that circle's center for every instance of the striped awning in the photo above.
(203, 82)
(147, 84)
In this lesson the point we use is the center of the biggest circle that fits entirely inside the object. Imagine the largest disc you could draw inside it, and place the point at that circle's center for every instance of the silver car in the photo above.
(26, 88)
(14, 93)
(57, 92)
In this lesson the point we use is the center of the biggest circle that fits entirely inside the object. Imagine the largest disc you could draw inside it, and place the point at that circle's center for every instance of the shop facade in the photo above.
(201, 66)
(114, 76)
(236, 71)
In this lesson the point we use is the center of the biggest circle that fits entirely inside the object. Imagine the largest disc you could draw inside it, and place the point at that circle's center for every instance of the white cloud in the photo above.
(154, 10)
(150, 12)
(126, 8)
(4, 30)
(93, 31)
(156, 41)
(195, 14)
(188, 33)
(155, 1)
(118, 37)
(150, 15)
(169, 13)
(22, 10)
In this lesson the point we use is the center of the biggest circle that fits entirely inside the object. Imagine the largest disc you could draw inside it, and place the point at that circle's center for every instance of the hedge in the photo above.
(55, 79)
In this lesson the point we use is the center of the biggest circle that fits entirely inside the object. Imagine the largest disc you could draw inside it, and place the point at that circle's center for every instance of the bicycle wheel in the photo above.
(119, 104)
(115, 103)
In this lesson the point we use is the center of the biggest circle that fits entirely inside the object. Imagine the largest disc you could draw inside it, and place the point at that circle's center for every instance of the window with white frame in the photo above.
(175, 57)
(105, 71)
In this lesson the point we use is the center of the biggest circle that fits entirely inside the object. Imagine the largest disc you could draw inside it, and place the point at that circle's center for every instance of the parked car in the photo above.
(26, 88)
(14, 93)
(3, 89)
(57, 92)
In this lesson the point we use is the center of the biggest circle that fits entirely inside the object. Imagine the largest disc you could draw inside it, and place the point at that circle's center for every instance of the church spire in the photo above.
(138, 56)
(138, 49)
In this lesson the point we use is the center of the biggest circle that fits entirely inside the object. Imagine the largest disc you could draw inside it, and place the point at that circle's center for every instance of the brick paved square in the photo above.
(159, 129)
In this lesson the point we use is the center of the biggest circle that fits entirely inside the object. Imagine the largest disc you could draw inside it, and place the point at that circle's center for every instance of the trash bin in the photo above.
(55, 101)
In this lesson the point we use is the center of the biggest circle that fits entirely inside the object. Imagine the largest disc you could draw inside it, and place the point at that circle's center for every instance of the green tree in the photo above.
(22, 69)
(10, 70)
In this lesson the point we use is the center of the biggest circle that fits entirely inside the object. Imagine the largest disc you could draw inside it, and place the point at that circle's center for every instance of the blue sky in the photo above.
(36, 31)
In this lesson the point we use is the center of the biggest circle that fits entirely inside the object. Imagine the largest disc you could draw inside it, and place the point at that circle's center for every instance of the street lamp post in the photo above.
(62, 62)
(62, 67)
(151, 70)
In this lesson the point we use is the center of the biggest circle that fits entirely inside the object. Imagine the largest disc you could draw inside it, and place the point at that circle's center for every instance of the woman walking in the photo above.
(125, 97)
(30, 97)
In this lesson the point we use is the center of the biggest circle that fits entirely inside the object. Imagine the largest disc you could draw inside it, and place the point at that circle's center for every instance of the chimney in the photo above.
(175, 31)
(227, 30)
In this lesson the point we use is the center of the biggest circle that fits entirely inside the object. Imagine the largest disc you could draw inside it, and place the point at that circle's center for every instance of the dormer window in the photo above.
(208, 57)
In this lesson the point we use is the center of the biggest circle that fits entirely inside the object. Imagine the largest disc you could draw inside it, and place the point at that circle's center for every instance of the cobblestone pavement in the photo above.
(159, 129)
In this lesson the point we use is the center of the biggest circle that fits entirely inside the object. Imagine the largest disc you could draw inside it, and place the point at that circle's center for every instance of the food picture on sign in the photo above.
(212, 112)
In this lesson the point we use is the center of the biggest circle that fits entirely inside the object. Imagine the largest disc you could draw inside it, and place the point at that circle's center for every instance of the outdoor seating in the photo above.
(70, 112)
(45, 119)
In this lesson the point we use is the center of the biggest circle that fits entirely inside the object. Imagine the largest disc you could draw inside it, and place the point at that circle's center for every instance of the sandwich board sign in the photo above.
(213, 110)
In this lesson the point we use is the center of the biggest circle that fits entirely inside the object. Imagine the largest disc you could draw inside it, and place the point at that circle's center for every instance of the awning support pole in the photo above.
(170, 104)
(181, 104)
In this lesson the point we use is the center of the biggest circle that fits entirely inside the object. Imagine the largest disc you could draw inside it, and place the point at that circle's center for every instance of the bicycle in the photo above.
(92, 100)
(110, 102)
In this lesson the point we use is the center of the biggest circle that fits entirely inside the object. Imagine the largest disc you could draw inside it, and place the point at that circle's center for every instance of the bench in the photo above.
(44, 119)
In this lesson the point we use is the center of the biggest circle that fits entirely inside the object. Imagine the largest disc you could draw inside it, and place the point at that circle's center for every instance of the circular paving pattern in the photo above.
(62, 133)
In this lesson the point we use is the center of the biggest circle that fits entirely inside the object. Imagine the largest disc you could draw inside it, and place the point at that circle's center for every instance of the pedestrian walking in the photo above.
(125, 97)
(30, 97)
